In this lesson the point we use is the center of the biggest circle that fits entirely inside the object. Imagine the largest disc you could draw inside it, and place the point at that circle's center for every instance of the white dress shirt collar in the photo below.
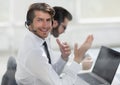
(37, 38)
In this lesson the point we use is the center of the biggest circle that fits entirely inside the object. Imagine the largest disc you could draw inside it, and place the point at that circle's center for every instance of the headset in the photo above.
(28, 21)
(29, 17)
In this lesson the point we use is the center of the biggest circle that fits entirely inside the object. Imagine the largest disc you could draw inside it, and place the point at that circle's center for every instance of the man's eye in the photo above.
(39, 20)
(49, 20)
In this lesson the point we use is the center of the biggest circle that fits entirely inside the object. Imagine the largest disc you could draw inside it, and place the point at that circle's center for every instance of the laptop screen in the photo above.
(107, 63)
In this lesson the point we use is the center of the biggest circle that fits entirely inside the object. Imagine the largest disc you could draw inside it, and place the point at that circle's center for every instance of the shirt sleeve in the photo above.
(38, 66)
(59, 65)
(57, 62)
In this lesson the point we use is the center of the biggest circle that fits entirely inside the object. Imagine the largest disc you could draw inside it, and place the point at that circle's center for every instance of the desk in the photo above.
(116, 80)
(94, 53)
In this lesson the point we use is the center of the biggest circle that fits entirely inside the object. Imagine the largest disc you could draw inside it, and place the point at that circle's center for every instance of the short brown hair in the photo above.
(40, 7)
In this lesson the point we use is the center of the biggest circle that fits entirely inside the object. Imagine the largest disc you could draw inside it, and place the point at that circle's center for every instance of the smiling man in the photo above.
(34, 60)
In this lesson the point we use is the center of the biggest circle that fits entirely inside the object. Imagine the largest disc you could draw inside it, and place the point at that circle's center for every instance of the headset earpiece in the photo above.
(28, 22)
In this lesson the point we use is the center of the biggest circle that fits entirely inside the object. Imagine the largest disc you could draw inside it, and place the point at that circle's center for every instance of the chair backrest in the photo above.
(9, 76)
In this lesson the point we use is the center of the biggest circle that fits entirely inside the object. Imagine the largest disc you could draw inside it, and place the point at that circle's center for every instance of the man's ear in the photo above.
(55, 23)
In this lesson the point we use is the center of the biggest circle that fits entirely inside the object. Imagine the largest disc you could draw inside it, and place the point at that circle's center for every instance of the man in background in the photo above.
(61, 19)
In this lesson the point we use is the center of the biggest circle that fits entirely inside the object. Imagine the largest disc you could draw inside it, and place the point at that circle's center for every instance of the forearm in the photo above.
(59, 65)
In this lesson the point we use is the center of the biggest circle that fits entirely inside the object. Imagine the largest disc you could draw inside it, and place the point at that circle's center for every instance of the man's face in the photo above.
(42, 24)
(61, 27)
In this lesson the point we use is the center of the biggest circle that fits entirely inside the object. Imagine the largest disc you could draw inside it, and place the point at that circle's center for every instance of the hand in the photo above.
(80, 52)
(65, 49)
(87, 63)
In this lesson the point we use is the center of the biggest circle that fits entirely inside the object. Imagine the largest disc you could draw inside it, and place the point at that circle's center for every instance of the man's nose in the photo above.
(45, 24)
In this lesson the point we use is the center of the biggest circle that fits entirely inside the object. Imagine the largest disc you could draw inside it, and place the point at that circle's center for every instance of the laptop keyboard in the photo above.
(90, 79)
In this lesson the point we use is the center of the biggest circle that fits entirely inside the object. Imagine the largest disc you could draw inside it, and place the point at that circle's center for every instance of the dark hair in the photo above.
(40, 7)
(61, 13)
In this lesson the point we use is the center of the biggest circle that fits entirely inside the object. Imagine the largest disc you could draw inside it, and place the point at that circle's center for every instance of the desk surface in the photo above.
(116, 80)
(94, 53)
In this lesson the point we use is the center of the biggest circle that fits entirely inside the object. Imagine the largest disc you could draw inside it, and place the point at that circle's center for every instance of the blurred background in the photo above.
(98, 17)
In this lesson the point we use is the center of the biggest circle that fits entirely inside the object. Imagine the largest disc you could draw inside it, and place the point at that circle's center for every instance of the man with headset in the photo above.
(34, 67)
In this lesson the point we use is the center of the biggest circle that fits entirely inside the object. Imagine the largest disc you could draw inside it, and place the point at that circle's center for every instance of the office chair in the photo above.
(9, 76)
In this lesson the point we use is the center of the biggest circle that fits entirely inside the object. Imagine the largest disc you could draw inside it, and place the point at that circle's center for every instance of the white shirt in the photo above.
(33, 67)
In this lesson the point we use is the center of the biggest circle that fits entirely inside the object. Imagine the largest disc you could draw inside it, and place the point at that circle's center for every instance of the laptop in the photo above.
(104, 69)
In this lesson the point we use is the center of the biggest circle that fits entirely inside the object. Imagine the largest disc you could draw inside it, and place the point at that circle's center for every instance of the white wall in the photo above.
(106, 32)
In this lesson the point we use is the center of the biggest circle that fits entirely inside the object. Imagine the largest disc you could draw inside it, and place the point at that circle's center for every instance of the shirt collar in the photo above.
(37, 39)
